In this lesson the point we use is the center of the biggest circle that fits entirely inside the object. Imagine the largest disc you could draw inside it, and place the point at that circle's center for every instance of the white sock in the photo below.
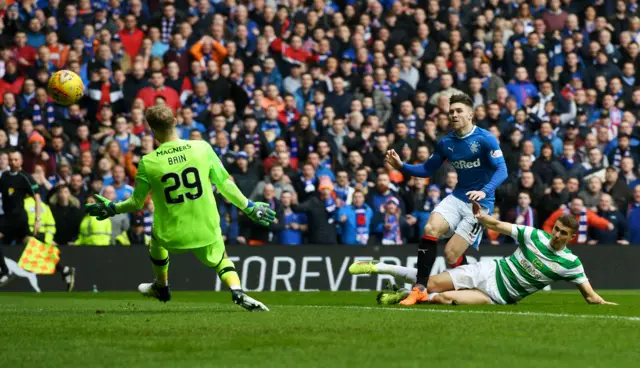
(431, 295)
(410, 275)
(235, 287)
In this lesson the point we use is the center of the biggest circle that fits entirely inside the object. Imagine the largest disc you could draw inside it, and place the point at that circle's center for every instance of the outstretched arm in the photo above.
(591, 296)
(258, 212)
(423, 170)
(490, 222)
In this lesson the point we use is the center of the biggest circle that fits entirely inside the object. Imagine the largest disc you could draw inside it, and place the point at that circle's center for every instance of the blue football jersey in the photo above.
(476, 157)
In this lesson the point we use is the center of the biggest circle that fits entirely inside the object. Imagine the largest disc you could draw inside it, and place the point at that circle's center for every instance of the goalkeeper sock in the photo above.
(160, 264)
(405, 273)
(227, 272)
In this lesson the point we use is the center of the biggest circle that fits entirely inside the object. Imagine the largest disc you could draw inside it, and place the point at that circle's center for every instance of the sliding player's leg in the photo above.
(443, 221)
(439, 283)
(461, 297)
(215, 256)
(158, 289)
(406, 274)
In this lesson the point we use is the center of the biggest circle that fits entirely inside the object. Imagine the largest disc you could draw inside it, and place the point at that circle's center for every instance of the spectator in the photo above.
(295, 224)
(135, 235)
(634, 226)
(615, 217)
(521, 88)
(545, 167)
(377, 198)
(131, 35)
(306, 185)
(586, 218)
(157, 88)
(256, 234)
(355, 221)
(77, 189)
(554, 199)
(545, 134)
(626, 172)
(381, 103)
(624, 150)
(92, 232)
(244, 177)
(344, 191)
(617, 188)
(320, 211)
(573, 187)
(523, 214)
(569, 163)
(592, 195)
(122, 189)
(595, 167)
(277, 178)
(119, 222)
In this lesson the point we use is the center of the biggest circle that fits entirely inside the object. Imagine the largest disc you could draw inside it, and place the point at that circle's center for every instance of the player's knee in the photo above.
(432, 285)
(432, 230)
(442, 298)
(451, 255)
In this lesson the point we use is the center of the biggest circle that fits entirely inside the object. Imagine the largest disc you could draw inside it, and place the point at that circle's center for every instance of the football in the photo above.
(65, 87)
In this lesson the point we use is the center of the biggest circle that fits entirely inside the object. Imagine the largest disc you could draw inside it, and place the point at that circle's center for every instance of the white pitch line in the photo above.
(463, 311)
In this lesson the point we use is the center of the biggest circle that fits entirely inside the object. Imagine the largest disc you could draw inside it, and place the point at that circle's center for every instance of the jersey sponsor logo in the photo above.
(474, 147)
(172, 150)
(462, 164)
(530, 269)
(496, 153)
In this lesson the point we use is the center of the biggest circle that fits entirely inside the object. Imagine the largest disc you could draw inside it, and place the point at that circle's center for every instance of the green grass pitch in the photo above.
(322, 329)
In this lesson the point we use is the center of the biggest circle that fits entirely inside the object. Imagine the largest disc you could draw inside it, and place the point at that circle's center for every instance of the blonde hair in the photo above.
(160, 118)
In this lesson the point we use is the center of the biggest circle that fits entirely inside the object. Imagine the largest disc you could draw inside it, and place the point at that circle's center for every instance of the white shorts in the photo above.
(459, 216)
(481, 276)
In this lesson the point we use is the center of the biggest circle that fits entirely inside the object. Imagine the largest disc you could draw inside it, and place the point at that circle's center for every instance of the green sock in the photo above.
(160, 264)
(228, 274)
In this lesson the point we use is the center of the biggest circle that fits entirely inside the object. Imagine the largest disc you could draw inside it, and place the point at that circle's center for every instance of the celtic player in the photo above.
(539, 260)
(179, 174)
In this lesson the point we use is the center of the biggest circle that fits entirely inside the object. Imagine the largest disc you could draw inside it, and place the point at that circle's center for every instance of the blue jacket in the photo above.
(555, 142)
(274, 78)
(634, 226)
(522, 90)
(348, 228)
(300, 99)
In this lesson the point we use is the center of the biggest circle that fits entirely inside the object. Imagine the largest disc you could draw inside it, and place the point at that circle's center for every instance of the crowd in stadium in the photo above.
(301, 100)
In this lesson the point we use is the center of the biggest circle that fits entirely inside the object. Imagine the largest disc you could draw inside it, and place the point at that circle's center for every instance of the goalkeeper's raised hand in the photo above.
(260, 212)
(103, 209)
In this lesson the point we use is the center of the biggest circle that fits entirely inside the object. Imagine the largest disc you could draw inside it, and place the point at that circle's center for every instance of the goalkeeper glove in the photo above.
(103, 209)
(260, 212)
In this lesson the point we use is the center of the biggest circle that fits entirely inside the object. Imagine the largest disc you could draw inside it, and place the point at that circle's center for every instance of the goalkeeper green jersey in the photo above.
(179, 174)
(534, 265)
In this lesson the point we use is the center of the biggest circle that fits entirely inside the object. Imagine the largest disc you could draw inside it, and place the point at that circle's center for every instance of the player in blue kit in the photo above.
(476, 155)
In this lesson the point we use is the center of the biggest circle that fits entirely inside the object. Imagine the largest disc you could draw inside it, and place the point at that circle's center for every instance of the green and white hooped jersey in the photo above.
(534, 265)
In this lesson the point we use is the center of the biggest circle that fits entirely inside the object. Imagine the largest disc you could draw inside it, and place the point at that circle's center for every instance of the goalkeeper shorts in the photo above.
(210, 255)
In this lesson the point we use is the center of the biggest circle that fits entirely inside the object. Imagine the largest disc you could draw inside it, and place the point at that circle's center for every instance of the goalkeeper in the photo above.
(179, 174)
